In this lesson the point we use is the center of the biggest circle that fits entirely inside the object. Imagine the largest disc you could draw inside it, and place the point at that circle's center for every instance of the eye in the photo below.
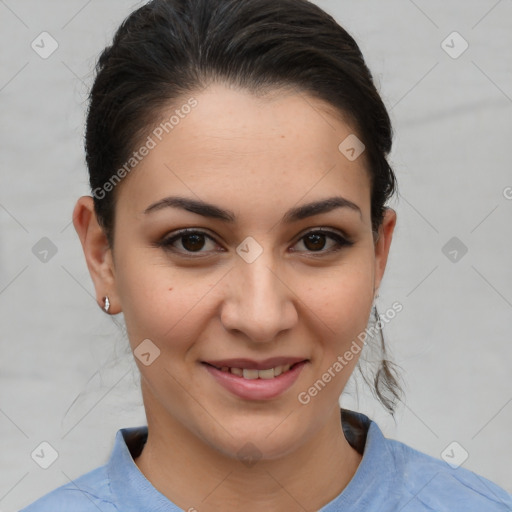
(315, 241)
(192, 241)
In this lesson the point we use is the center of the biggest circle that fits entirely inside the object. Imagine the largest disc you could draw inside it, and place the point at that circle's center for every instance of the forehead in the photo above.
(249, 151)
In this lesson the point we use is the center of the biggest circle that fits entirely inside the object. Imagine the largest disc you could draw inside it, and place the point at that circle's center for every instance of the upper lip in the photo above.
(272, 362)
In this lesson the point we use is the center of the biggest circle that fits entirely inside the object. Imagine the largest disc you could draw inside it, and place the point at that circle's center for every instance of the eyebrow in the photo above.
(294, 214)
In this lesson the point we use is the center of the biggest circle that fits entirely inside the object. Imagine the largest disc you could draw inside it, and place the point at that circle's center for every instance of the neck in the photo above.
(194, 475)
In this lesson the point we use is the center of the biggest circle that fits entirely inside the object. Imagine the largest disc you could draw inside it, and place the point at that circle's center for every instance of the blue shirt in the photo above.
(391, 477)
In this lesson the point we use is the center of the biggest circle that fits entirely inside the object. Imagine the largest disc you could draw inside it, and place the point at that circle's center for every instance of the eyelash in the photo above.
(167, 243)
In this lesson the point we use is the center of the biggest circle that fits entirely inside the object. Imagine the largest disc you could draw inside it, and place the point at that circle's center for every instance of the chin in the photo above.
(252, 440)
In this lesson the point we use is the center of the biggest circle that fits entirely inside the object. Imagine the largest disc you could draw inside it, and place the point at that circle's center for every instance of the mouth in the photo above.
(253, 380)
(254, 373)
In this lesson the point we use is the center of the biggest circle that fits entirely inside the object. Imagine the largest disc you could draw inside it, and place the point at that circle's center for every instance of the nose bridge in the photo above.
(259, 304)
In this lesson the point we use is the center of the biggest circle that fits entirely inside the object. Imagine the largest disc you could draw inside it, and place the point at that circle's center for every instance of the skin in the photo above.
(258, 157)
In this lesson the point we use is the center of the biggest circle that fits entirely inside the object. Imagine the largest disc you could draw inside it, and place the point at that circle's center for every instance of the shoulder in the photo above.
(88, 493)
(432, 484)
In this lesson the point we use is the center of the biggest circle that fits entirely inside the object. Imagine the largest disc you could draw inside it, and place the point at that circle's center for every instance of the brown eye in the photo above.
(192, 241)
(315, 241)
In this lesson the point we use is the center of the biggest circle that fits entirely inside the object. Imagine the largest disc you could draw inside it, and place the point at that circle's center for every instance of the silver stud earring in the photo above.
(106, 307)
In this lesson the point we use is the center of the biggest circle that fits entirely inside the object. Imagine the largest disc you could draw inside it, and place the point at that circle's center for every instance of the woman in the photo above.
(237, 158)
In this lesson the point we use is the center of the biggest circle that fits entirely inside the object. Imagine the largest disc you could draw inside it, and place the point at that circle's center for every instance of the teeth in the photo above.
(266, 374)
(251, 374)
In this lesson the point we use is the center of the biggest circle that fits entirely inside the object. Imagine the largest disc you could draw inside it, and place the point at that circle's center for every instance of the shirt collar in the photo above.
(374, 478)
(132, 491)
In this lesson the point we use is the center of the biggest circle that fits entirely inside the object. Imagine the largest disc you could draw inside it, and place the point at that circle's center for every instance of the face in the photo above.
(268, 285)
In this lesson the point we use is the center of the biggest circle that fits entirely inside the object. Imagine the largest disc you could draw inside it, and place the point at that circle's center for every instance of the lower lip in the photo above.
(256, 389)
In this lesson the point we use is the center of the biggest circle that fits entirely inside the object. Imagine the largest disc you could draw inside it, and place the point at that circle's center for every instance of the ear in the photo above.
(97, 252)
(382, 245)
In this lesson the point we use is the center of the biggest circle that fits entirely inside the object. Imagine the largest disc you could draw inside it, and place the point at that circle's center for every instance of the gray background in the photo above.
(66, 376)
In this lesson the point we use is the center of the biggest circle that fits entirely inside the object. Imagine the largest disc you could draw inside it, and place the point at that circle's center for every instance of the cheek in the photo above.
(158, 301)
(343, 301)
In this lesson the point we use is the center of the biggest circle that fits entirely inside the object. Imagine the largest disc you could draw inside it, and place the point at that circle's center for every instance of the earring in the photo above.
(106, 307)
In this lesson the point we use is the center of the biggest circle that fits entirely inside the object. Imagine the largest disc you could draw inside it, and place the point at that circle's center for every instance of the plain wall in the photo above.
(66, 374)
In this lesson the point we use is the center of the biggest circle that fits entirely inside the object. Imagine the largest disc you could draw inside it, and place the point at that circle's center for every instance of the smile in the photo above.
(253, 373)
(268, 381)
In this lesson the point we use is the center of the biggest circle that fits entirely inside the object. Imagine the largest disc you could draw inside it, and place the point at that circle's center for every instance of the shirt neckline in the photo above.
(133, 491)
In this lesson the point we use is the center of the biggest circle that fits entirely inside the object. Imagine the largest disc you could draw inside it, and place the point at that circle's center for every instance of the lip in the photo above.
(256, 389)
(272, 362)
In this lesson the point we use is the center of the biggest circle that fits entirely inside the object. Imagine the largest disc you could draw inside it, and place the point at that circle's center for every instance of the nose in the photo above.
(259, 302)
